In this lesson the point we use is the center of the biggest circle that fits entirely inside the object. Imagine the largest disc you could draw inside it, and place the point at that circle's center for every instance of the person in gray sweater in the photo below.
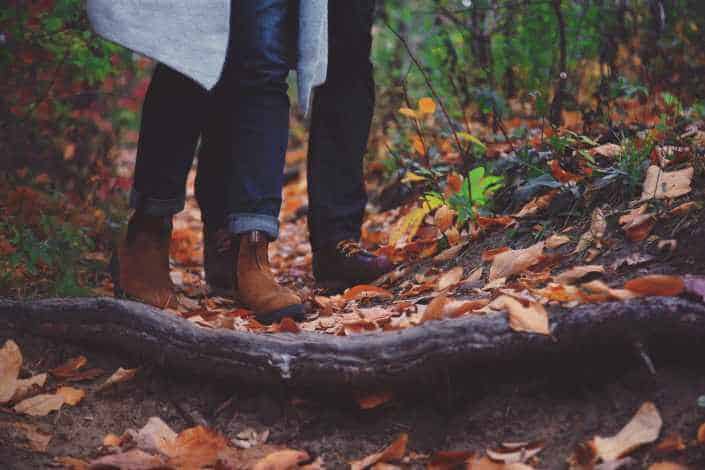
(242, 122)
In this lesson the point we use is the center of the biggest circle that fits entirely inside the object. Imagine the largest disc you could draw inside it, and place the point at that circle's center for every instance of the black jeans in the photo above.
(247, 111)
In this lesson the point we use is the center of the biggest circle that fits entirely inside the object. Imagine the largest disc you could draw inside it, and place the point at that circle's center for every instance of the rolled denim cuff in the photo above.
(239, 223)
(156, 207)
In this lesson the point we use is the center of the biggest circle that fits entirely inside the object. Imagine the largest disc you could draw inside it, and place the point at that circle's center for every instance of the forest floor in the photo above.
(553, 246)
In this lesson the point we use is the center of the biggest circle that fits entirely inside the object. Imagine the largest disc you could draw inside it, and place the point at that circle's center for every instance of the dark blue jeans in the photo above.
(248, 110)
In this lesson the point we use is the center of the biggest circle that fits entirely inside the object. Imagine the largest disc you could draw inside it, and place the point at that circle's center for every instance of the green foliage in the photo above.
(474, 194)
(632, 164)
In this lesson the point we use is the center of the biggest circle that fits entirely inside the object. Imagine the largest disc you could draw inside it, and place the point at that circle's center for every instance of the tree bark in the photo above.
(365, 360)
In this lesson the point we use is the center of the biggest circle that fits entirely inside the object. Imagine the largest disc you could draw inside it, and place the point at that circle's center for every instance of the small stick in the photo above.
(644, 355)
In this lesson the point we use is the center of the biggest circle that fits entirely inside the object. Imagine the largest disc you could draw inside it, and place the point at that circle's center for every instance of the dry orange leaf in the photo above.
(69, 368)
(119, 376)
(395, 451)
(562, 175)
(366, 291)
(443, 218)
(287, 325)
(670, 443)
(448, 460)
(373, 400)
(26, 387)
(489, 255)
(133, 459)
(434, 310)
(577, 273)
(195, 448)
(656, 285)
(36, 439)
(701, 434)
(72, 396)
(281, 460)
(427, 105)
(537, 204)
(668, 466)
(515, 261)
(10, 365)
(450, 278)
(644, 428)
(112, 440)
(531, 319)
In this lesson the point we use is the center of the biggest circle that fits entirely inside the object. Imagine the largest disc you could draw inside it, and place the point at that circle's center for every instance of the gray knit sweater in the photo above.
(191, 36)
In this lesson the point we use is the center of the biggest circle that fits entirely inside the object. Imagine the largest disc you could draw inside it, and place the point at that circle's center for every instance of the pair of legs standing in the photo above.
(243, 128)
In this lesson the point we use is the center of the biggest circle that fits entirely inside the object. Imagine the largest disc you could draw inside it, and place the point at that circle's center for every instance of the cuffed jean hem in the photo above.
(239, 223)
(156, 207)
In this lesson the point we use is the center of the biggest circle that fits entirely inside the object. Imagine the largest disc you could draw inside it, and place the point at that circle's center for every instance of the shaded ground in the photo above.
(572, 403)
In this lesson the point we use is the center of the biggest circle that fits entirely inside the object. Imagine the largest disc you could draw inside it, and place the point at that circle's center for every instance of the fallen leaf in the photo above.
(69, 368)
(560, 174)
(661, 184)
(373, 400)
(10, 365)
(556, 241)
(670, 443)
(668, 466)
(443, 218)
(395, 451)
(515, 261)
(537, 204)
(531, 319)
(156, 436)
(365, 291)
(485, 463)
(434, 309)
(112, 440)
(656, 285)
(607, 150)
(489, 255)
(71, 463)
(451, 253)
(508, 453)
(287, 325)
(411, 177)
(40, 405)
(195, 448)
(281, 460)
(449, 460)
(36, 439)
(644, 428)
(72, 396)
(427, 105)
(598, 291)
(701, 434)
(131, 460)
(26, 387)
(457, 308)
(577, 273)
(406, 227)
(119, 376)
(450, 278)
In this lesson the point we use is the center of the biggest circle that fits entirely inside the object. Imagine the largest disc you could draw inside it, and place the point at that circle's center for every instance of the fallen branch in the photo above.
(362, 360)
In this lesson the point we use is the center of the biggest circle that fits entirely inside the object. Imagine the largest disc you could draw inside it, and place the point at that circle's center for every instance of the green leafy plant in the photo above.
(475, 193)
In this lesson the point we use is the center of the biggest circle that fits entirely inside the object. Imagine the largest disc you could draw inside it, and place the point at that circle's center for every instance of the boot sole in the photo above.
(295, 312)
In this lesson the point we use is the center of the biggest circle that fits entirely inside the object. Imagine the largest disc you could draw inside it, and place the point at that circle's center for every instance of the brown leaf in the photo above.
(10, 365)
(644, 428)
(287, 325)
(26, 387)
(112, 440)
(395, 451)
(489, 255)
(451, 253)
(670, 443)
(131, 460)
(515, 453)
(119, 376)
(195, 448)
(156, 436)
(661, 184)
(36, 440)
(373, 400)
(457, 308)
(668, 466)
(531, 319)
(556, 241)
(484, 463)
(607, 150)
(656, 285)
(448, 460)
(701, 434)
(434, 310)
(40, 405)
(71, 463)
(450, 278)
(515, 261)
(577, 273)
(537, 204)
(443, 218)
(281, 460)
(69, 368)
(72, 396)
(365, 291)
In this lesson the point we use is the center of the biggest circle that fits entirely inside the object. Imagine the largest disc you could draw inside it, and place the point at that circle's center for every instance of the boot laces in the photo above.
(349, 248)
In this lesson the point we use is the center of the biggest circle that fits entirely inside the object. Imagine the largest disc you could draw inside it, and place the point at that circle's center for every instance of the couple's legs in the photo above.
(244, 122)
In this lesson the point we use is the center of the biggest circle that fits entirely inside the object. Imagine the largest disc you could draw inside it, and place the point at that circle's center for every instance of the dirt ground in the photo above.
(562, 404)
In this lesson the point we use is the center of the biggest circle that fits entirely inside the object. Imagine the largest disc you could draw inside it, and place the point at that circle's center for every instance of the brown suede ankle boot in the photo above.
(142, 271)
(256, 285)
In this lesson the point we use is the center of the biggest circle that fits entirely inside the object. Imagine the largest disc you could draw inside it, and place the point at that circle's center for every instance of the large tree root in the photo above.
(307, 359)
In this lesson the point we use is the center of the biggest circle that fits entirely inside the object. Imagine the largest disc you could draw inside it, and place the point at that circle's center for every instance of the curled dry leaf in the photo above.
(119, 376)
(434, 310)
(370, 401)
(670, 443)
(537, 204)
(133, 460)
(287, 325)
(520, 453)
(195, 448)
(10, 364)
(72, 396)
(40, 405)
(607, 150)
(443, 218)
(515, 261)
(656, 285)
(644, 428)
(281, 460)
(577, 273)
(69, 368)
(489, 255)
(661, 184)
(531, 319)
(450, 278)
(155, 436)
(112, 440)
(395, 451)
(365, 291)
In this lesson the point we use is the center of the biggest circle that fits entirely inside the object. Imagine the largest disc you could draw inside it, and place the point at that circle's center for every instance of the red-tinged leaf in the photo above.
(701, 434)
(670, 443)
(69, 368)
(455, 182)
(366, 291)
(499, 222)
(133, 460)
(281, 460)
(562, 175)
(395, 451)
(489, 255)
(287, 325)
(656, 285)
(435, 309)
(373, 400)
(450, 278)
(449, 460)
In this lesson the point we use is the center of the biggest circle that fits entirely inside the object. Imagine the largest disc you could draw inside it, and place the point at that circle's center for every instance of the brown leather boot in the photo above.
(219, 257)
(257, 287)
(142, 271)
